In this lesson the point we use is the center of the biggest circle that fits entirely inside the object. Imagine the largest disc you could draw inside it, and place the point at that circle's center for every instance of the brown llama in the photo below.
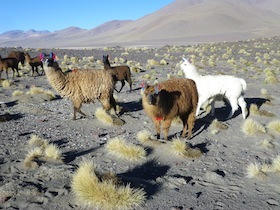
(6, 63)
(170, 99)
(19, 55)
(121, 73)
(34, 63)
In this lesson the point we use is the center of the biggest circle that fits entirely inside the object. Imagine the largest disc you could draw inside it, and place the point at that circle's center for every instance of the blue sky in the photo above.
(59, 14)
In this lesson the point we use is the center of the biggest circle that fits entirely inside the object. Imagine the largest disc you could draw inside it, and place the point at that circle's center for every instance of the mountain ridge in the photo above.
(181, 22)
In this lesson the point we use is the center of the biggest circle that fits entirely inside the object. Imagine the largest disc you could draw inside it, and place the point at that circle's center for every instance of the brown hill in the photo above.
(181, 22)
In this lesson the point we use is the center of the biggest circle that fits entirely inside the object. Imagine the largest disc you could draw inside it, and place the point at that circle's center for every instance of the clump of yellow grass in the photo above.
(268, 144)
(107, 118)
(251, 127)
(274, 126)
(52, 152)
(42, 150)
(6, 83)
(90, 192)
(255, 170)
(122, 149)
(29, 161)
(216, 126)
(146, 138)
(17, 93)
(276, 164)
(33, 90)
(254, 110)
(180, 148)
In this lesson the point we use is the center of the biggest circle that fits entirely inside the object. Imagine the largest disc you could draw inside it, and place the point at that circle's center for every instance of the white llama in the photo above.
(209, 87)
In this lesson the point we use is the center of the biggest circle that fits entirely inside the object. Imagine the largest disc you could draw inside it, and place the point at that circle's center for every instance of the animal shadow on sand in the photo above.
(221, 113)
(132, 106)
(7, 117)
(145, 175)
(72, 155)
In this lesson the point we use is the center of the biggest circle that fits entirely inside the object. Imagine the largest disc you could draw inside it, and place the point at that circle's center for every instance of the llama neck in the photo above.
(56, 78)
(28, 58)
(107, 65)
(191, 73)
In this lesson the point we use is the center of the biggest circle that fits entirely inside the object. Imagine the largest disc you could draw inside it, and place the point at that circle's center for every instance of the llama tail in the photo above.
(244, 85)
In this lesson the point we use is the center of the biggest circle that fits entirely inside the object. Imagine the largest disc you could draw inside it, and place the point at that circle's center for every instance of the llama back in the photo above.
(91, 83)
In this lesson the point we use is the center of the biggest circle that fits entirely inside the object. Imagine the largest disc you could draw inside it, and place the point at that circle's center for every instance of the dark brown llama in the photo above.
(6, 63)
(19, 55)
(121, 73)
(34, 63)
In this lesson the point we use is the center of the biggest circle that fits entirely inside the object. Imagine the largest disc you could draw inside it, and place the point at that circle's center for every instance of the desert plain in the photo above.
(239, 162)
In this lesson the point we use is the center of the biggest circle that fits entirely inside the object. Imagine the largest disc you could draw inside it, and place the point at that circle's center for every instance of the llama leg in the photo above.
(242, 104)
(123, 83)
(113, 103)
(13, 73)
(17, 72)
(157, 126)
(191, 121)
(36, 69)
(212, 104)
(185, 126)
(77, 108)
(43, 72)
(199, 104)
(130, 83)
(234, 107)
(32, 67)
(7, 74)
(166, 126)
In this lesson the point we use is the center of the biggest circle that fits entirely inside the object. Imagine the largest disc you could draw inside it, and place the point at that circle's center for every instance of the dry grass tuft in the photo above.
(29, 161)
(42, 150)
(52, 152)
(108, 119)
(254, 170)
(6, 83)
(216, 126)
(90, 192)
(119, 148)
(276, 164)
(104, 117)
(146, 138)
(180, 148)
(37, 141)
(254, 110)
(33, 90)
(17, 93)
(268, 144)
(274, 126)
(251, 127)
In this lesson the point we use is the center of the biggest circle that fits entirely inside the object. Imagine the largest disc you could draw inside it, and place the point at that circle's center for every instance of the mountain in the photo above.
(181, 22)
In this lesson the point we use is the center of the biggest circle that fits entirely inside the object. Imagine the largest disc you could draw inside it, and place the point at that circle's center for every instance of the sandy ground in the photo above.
(216, 180)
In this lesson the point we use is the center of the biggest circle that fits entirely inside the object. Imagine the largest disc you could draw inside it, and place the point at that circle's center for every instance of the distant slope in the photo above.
(181, 22)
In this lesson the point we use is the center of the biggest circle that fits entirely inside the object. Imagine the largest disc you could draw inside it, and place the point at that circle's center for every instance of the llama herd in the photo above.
(162, 102)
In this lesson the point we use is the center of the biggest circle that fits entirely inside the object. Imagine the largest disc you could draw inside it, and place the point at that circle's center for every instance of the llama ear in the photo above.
(144, 85)
(184, 59)
(157, 88)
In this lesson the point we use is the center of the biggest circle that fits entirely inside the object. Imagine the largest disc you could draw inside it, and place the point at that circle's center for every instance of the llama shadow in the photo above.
(8, 104)
(258, 101)
(132, 106)
(144, 176)
(72, 155)
(222, 112)
(8, 117)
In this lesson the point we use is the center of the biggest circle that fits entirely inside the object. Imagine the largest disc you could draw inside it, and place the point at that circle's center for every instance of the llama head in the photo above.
(188, 68)
(151, 92)
(106, 59)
